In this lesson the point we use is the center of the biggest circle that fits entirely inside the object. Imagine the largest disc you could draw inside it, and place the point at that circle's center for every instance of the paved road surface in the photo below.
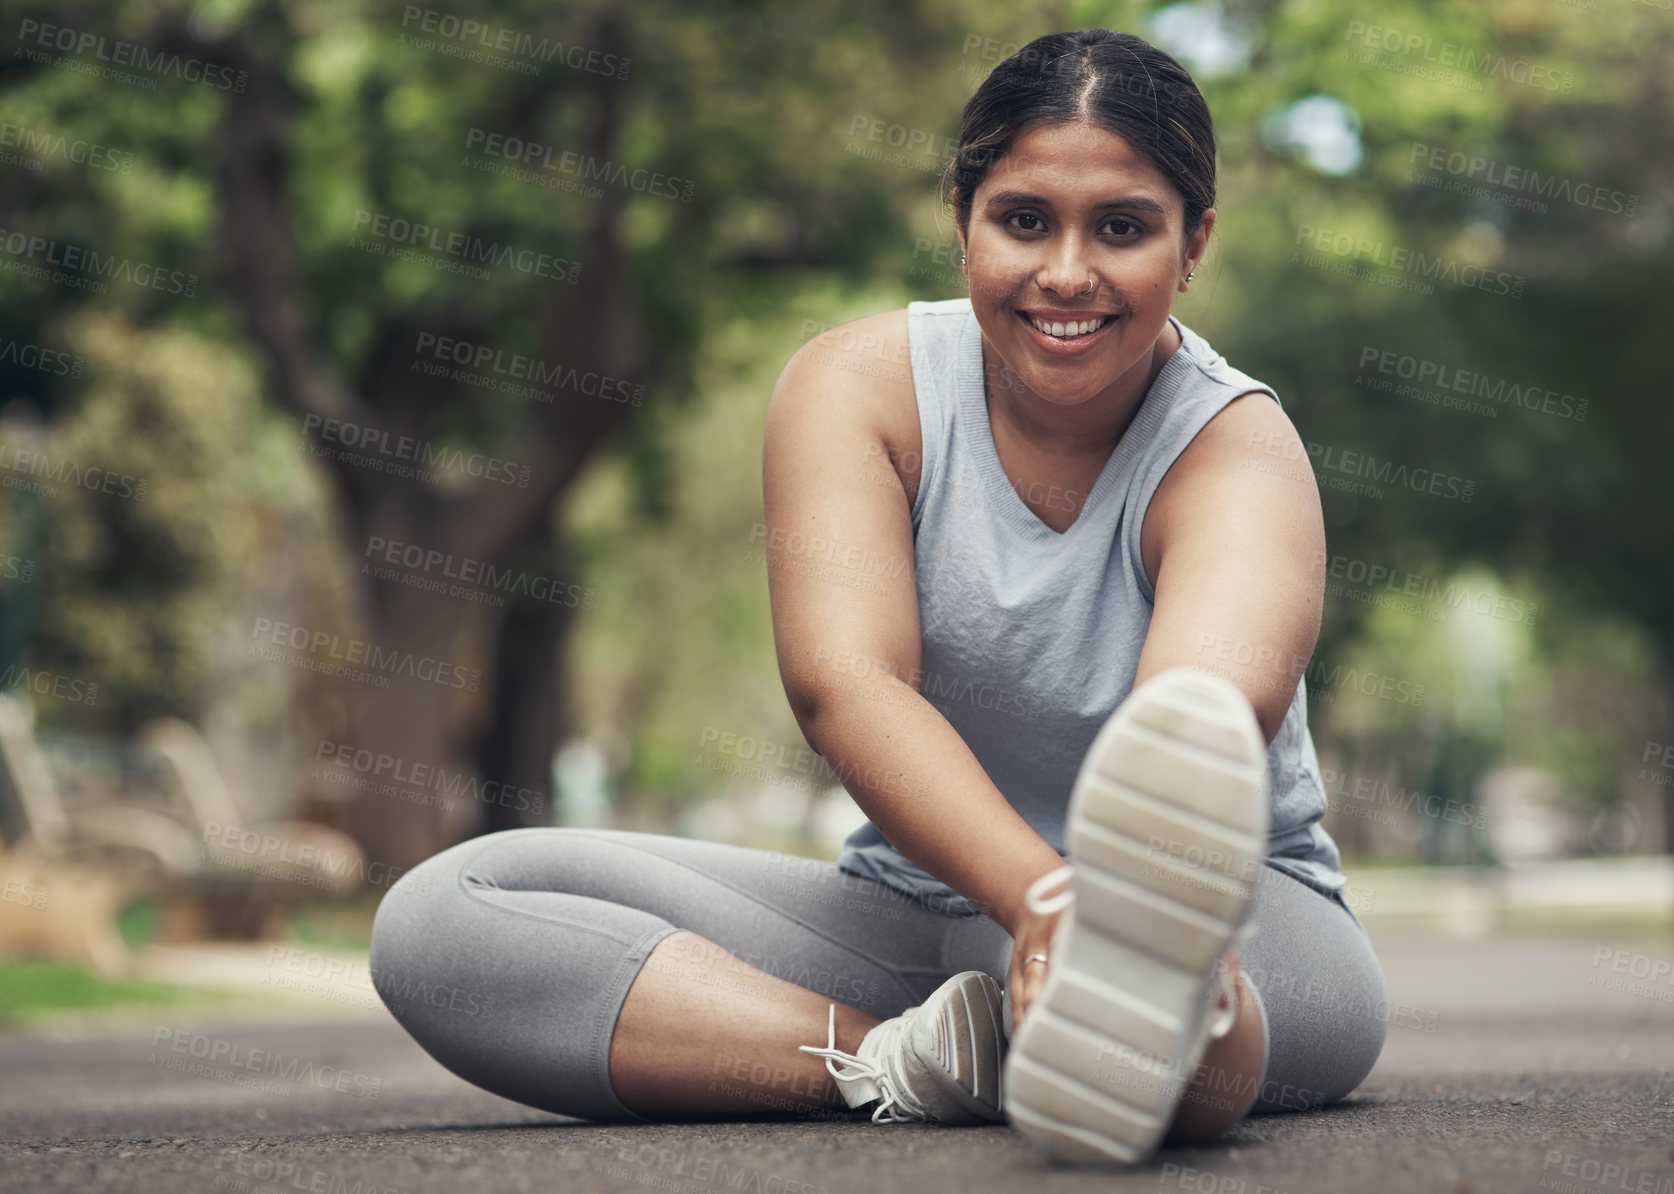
(1540, 1063)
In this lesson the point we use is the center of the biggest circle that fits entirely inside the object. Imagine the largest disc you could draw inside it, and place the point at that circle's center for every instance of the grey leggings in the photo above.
(508, 957)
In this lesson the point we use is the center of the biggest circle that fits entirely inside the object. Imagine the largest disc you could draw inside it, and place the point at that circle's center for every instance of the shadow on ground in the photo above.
(1530, 1069)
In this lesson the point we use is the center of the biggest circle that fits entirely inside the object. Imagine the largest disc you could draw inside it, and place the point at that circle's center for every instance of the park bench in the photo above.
(69, 868)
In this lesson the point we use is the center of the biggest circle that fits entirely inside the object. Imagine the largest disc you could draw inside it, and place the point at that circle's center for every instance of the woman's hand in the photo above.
(1032, 935)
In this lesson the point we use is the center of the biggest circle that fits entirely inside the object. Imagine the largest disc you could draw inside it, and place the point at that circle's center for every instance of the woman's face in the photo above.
(1075, 227)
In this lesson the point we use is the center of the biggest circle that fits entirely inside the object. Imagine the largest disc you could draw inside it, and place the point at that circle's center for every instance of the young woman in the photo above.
(1042, 588)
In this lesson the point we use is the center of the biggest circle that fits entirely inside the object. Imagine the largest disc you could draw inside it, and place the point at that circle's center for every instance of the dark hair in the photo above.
(1116, 81)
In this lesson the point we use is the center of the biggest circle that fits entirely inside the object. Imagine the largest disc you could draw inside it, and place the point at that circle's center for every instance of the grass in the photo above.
(339, 924)
(31, 991)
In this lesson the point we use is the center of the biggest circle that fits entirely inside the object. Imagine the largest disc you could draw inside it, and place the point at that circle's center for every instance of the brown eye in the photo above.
(1033, 226)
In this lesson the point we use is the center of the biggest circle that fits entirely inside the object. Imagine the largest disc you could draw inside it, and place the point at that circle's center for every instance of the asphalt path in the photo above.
(1524, 1062)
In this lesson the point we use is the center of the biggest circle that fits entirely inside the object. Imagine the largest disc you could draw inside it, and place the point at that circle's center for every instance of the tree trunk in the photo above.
(596, 327)
(412, 723)
(528, 714)
(1654, 761)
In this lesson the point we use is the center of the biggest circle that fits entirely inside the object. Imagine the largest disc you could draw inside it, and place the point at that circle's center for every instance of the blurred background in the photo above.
(381, 404)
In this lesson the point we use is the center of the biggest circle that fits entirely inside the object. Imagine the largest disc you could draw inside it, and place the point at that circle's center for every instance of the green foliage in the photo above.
(137, 572)
(767, 114)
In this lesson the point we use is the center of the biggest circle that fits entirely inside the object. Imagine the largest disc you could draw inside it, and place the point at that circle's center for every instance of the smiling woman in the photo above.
(1067, 621)
(1154, 621)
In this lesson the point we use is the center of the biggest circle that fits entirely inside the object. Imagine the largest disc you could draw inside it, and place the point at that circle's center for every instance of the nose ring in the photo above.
(1091, 285)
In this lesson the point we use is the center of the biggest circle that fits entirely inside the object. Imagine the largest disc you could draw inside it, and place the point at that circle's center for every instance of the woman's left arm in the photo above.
(1234, 543)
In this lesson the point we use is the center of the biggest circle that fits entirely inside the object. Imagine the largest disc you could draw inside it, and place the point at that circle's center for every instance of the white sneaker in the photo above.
(939, 1062)
(1167, 833)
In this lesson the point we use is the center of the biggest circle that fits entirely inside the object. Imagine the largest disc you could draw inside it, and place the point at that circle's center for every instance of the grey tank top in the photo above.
(1031, 638)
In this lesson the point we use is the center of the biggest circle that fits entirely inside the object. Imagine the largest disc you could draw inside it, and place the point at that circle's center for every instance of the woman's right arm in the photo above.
(839, 548)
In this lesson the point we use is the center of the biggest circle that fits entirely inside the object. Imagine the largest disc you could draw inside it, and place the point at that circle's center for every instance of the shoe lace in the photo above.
(1038, 901)
(1222, 1019)
(1041, 904)
(897, 1094)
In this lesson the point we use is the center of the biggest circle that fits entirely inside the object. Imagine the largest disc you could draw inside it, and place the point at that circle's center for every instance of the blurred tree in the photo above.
(805, 141)
(296, 192)
(142, 562)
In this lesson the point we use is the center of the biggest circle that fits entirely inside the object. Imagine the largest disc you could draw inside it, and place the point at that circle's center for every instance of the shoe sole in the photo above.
(960, 1038)
(1167, 830)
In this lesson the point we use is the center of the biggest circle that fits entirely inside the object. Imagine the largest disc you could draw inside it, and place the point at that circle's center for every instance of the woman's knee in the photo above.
(410, 931)
(1323, 994)
(1362, 1039)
